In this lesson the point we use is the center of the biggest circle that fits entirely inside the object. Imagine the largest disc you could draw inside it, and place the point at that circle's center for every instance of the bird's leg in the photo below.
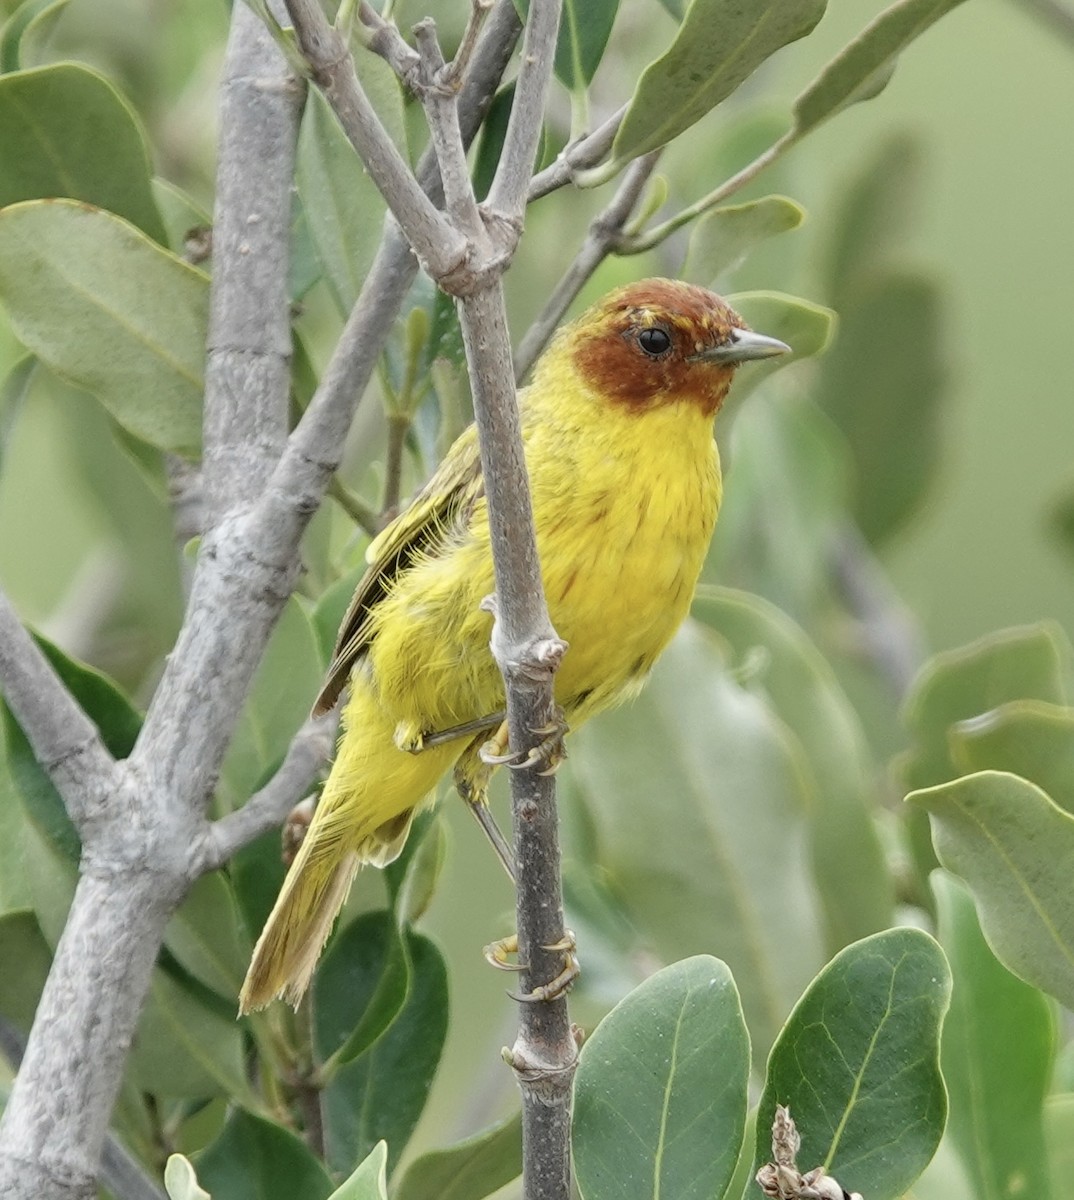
(414, 742)
(548, 754)
(472, 782)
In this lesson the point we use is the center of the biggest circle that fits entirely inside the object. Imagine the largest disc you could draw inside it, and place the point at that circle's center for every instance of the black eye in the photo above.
(654, 341)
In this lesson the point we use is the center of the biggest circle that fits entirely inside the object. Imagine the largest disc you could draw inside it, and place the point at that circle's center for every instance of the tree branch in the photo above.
(602, 238)
(65, 741)
(266, 809)
(584, 153)
(437, 244)
(248, 369)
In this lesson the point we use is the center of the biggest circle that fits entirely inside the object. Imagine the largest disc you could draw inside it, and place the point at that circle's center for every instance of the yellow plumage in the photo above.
(625, 482)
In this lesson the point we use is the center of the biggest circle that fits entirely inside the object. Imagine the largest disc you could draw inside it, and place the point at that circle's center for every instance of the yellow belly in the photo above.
(624, 513)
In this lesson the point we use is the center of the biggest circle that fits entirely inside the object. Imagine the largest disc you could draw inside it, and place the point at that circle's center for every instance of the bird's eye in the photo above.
(654, 341)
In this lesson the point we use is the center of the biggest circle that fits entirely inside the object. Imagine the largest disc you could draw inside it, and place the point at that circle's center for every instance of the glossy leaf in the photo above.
(779, 664)
(864, 67)
(660, 1095)
(886, 401)
(206, 937)
(469, 1170)
(112, 312)
(697, 803)
(722, 238)
(110, 711)
(25, 959)
(361, 986)
(180, 1180)
(1025, 737)
(369, 1180)
(719, 44)
(1014, 847)
(1031, 662)
(858, 1065)
(584, 29)
(66, 131)
(998, 1046)
(287, 679)
(185, 1049)
(342, 206)
(381, 1094)
(254, 1159)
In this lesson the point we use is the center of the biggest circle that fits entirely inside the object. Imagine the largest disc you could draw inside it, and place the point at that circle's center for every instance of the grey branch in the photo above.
(602, 239)
(248, 368)
(582, 154)
(437, 244)
(64, 740)
(265, 810)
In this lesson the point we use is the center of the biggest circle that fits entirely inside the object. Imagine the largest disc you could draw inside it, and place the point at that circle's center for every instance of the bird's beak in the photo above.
(743, 345)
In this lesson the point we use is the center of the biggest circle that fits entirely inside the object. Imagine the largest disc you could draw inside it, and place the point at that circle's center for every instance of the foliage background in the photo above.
(985, 100)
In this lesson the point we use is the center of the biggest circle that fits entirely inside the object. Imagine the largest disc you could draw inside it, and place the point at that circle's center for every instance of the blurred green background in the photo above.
(984, 100)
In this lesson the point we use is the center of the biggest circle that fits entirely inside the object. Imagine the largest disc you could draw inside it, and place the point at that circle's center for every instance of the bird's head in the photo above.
(659, 342)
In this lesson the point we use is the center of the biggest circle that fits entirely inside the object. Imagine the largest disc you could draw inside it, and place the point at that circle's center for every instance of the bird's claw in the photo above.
(496, 954)
(548, 754)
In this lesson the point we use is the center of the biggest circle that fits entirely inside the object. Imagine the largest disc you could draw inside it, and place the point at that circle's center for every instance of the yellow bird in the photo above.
(625, 479)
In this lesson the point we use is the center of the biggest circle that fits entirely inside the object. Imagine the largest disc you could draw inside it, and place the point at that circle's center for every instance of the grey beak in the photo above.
(744, 346)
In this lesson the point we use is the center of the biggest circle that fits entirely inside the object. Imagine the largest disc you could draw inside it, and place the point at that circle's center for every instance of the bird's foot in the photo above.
(547, 755)
(498, 952)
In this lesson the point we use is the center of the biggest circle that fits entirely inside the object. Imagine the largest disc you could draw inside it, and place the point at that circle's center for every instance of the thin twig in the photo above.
(584, 153)
(652, 237)
(65, 741)
(440, 248)
(266, 809)
(398, 427)
(602, 238)
(359, 512)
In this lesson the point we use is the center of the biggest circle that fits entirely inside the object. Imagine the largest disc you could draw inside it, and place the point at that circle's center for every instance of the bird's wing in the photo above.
(445, 501)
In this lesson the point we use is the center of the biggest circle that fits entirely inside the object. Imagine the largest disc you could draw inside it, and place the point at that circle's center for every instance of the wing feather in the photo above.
(421, 529)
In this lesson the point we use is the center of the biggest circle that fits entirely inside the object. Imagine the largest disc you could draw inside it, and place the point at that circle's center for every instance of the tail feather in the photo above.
(298, 927)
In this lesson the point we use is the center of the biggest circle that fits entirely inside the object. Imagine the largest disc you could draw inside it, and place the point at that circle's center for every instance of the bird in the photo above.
(624, 474)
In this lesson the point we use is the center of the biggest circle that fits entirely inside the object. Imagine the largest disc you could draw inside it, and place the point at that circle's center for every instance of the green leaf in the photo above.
(254, 1159)
(112, 312)
(180, 1182)
(998, 1046)
(13, 392)
(381, 1094)
(25, 959)
(1030, 662)
(342, 206)
(360, 987)
(66, 131)
(660, 1094)
(369, 1181)
(186, 1050)
(719, 44)
(206, 938)
(782, 666)
(38, 33)
(858, 1065)
(469, 1170)
(491, 138)
(720, 864)
(412, 892)
(1015, 848)
(584, 29)
(114, 717)
(278, 703)
(179, 212)
(883, 384)
(12, 33)
(864, 67)
(722, 238)
(1025, 737)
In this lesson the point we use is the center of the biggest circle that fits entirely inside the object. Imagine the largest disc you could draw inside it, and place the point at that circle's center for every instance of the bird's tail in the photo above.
(363, 816)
